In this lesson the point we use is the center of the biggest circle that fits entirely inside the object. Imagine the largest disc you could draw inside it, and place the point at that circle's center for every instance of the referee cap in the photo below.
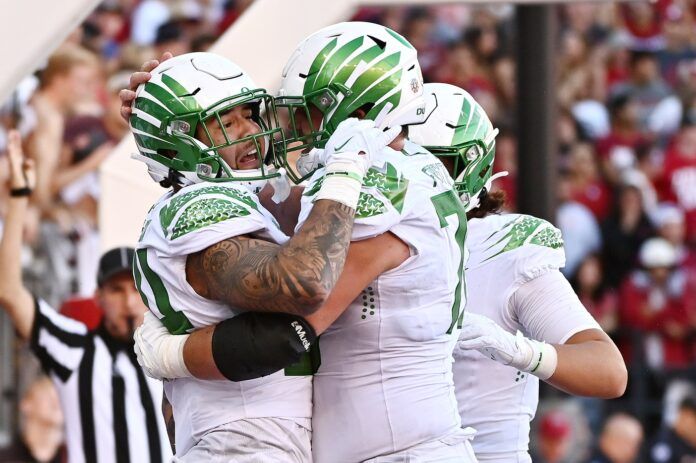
(114, 261)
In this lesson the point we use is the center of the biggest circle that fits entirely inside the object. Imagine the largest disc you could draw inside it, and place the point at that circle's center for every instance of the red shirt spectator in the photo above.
(656, 302)
(680, 177)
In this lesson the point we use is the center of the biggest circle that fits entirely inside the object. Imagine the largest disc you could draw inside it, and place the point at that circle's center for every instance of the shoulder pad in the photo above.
(530, 241)
(202, 207)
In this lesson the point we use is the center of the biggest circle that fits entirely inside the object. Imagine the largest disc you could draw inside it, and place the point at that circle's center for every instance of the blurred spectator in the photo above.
(232, 10)
(600, 301)
(147, 17)
(645, 86)
(642, 22)
(617, 150)
(623, 233)
(554, 438)
(680, 176)
(653, 302)
(69, 78)
(506, 160)
(581, 233)
(589, 188)
(43, 421)
(419, 27)
(620, 440)
(171, 37)
(676, 443)
(203, 42)
(41, 426)
(670, 224)
(102, 31)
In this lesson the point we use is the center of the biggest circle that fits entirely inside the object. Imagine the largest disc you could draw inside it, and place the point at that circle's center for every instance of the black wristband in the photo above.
(17, 192)
(255, 344)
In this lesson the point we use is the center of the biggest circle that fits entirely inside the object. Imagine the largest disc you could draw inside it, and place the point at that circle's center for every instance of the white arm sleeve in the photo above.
(548, 309)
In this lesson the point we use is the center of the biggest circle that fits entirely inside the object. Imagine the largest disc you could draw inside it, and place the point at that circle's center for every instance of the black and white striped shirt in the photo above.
(112, 410)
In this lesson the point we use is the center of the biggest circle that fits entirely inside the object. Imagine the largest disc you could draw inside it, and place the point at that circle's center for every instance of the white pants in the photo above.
(454, 448)
(255, 440)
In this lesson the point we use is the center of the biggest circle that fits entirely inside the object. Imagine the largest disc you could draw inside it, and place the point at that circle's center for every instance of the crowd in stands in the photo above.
(626, 93)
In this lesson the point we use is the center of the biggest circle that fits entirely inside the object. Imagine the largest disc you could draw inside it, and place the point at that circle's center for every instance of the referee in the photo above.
(112, 410)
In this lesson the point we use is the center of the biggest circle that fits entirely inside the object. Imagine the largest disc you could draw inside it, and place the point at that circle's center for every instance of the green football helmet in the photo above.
(173, 114)
(458, 130)
(344, 68)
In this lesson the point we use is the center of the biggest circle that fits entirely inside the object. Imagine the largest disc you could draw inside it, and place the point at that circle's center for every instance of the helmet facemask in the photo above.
(187, 131)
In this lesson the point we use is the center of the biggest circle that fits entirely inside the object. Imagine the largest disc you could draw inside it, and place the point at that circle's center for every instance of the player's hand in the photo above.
(486, 336)
(355, 143)
(127, 95)
(22, 170)
(160, 353)
(309, 162)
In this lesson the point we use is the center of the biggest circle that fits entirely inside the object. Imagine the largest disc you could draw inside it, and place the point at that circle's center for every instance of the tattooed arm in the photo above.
(257, 275)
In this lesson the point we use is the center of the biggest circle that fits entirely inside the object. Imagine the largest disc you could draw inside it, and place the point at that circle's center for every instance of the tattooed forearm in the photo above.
(296, 277)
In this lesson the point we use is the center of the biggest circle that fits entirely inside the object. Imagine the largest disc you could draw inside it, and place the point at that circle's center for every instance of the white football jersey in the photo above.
(385, 380)
(507, 251)
(183, 223)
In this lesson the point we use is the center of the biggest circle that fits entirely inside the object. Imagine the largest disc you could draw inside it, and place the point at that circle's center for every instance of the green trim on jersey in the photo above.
(369, 206)
(176, 322)
(201, 212)
(447, 204)
(387, 181)
(527, 230)
(206, 212)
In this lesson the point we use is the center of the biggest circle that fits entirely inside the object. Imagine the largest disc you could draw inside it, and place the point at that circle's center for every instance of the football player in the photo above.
(209, 252)
(383, 390)
(523, 321)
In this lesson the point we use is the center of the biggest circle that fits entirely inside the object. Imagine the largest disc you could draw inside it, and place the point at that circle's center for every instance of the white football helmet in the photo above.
(458, 128)
(348, 67)
(185, 92)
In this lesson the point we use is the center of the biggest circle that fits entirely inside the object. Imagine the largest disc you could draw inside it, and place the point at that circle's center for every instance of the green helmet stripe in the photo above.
(151, 143)
(147, 129)
(472, 124)
(153, 109)
(174, 86)
(373, 83)
(165, 97)
(384, 79)
(399, 38)
(348, 67)
(335, 63)
(393, 99)
(318, 63)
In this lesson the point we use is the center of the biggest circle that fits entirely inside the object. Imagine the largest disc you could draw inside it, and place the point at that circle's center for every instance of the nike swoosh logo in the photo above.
(336, 150)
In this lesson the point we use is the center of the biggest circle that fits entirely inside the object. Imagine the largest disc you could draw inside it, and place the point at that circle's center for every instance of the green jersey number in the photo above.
(176, 322)
(447, 204)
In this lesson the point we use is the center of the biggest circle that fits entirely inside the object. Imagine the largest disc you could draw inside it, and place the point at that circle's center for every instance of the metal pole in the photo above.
(536, 110)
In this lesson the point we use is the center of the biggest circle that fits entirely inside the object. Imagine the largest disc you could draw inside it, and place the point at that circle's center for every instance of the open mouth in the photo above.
(250, 160)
